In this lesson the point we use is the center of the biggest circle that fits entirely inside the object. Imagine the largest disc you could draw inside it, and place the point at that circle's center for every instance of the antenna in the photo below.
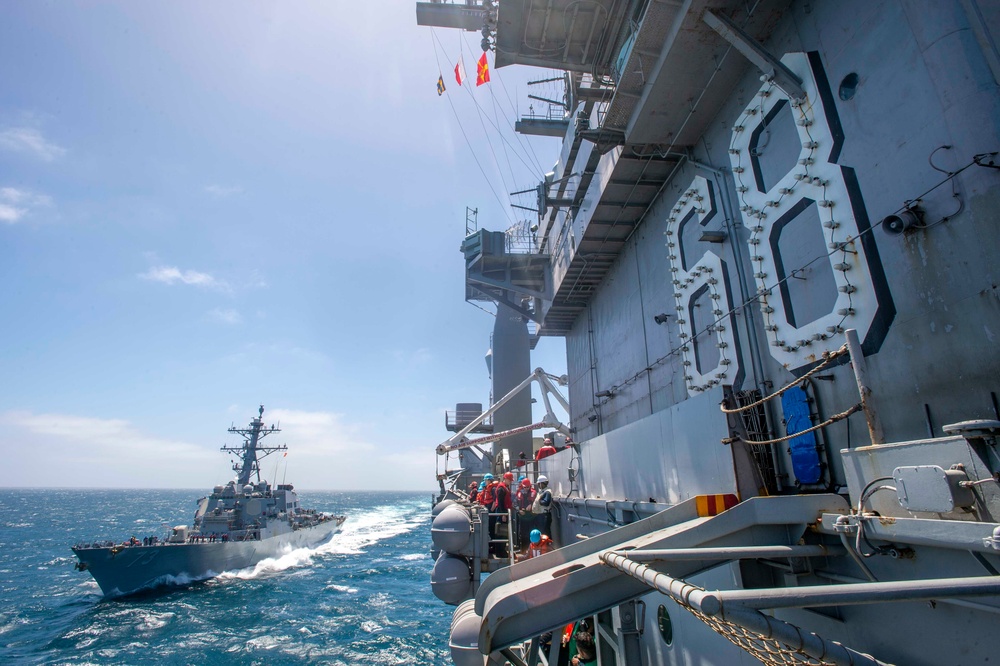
(250, 460)
(471, 220)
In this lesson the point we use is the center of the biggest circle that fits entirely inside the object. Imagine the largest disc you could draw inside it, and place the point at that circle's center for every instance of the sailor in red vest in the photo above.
(487, 495)
(502, 501)
(546, 450)
(501, 505)
(473, 491)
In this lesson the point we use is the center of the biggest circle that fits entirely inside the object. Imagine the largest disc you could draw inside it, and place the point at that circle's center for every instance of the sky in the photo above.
(206, 207)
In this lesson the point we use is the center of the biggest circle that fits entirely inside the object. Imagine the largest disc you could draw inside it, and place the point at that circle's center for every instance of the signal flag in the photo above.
(482, 71)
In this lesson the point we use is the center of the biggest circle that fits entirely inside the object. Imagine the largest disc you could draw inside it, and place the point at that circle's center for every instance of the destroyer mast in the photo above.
(251, 445)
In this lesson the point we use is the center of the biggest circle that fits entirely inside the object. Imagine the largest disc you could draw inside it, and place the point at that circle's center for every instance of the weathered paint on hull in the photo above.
(145, 567)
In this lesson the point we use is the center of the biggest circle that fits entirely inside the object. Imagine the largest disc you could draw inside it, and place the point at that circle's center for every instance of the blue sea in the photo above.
(362, 598)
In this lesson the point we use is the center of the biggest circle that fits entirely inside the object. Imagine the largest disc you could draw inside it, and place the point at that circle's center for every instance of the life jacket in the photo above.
(501, 501)
(487, 497)
(524, 498)
(540, 548)
(545, 452)
(472, 495)
(543, 502)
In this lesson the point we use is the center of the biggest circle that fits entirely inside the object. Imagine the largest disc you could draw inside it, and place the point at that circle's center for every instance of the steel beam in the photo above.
(783, 77)
(731, 553)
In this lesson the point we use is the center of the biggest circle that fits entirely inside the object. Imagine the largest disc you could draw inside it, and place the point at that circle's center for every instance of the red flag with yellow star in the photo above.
(482, 71)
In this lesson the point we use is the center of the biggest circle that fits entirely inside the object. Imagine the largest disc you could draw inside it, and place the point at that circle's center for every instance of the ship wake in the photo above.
(358, 533)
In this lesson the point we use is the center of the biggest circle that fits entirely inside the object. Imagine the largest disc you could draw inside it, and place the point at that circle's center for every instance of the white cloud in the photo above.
(319, 434)
(10, 214)
(256, 280)
(276, 351)
(229, 316)
(70, 450)
(411, 359)
(222, 191)
(29, 140)
(171, 275)
(325, 451)
(16, 203)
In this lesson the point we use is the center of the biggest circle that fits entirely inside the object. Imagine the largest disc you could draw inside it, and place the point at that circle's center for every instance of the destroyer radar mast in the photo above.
(252, 436)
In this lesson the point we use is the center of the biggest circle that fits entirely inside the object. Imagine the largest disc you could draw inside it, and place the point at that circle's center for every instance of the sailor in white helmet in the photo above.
(542, 508)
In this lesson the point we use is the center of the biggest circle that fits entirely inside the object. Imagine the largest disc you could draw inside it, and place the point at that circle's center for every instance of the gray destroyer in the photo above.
(769, 242)
(237, 526)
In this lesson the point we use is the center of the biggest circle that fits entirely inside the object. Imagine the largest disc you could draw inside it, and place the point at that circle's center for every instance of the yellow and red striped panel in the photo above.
(713, 505)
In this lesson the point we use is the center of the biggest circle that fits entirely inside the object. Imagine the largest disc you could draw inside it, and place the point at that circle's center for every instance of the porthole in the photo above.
(848, 86)
(664, 624)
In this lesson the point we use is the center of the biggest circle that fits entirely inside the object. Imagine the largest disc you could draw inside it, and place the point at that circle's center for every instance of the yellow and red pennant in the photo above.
(482, 71)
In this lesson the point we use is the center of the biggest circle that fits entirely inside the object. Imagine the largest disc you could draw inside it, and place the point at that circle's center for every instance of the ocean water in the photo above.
(362, 598)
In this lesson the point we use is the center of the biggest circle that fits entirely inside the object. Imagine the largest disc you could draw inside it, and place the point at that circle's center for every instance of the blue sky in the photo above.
(207, 206)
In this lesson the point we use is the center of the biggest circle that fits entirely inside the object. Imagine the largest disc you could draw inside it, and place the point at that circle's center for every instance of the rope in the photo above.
(833, 419)
(827, 359)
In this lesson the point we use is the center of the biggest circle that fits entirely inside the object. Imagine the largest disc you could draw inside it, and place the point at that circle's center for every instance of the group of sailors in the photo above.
(208, 538)
(249, 535)
(528, 505)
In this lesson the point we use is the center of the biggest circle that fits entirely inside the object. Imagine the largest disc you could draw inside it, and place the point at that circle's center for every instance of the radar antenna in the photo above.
(252, 435)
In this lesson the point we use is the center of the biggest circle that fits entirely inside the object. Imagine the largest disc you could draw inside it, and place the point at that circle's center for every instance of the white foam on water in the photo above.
(265, 643)
(149, 621)
(358, 533)
(180, 579)
(342, 588)
(371, 627)
(271, 565)
(412, 557)
(374, 526)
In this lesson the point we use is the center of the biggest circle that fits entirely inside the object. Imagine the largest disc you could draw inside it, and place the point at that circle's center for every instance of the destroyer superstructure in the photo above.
(236, 526)
(788, 209)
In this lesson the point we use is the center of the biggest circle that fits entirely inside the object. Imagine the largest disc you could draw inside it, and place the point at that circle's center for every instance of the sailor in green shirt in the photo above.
(586, 650)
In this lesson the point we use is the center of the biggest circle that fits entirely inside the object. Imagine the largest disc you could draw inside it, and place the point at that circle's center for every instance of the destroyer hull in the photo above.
(136, 568)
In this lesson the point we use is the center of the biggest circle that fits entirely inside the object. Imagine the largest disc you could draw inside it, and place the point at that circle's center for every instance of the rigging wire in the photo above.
(517, 136)
(481, 113)
(479, 107)
(486, 134)
(513, 178)
(521, 141)
(466, 136)
(492, 314)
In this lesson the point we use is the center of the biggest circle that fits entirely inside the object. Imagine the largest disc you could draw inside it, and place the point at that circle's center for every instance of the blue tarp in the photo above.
(805, 457)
